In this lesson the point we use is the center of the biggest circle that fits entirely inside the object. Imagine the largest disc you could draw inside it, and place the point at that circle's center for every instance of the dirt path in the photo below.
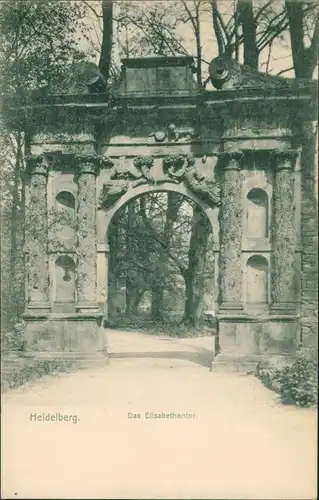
(239, 443)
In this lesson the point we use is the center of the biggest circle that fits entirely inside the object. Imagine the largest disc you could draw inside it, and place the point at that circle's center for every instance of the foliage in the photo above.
(38, 48)
(170, 326)
(39, 42)
(149, 251)
(297, 383)
(143, 161)
(16, 371)
(13, 340)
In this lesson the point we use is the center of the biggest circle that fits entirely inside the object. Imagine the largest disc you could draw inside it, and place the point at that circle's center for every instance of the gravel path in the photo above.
(238, 443)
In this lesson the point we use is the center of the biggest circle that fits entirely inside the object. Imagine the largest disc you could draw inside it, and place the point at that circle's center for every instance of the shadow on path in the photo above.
(202, 358)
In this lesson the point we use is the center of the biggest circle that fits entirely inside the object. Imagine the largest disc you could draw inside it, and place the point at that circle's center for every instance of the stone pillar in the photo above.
(283, 273)
(230, 273)
(37, 237)
(102, 277)
(86, 276)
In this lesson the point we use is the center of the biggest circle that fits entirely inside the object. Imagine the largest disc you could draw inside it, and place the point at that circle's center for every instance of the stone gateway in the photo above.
(233, 151)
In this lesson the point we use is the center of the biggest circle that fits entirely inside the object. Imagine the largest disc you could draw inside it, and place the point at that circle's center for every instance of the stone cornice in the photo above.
(284, 159)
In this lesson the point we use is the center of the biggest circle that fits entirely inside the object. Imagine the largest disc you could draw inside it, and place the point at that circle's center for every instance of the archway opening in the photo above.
(161, 264)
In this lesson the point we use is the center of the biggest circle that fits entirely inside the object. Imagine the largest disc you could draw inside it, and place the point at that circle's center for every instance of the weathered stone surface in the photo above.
(36, 236)
(230, 220)
(283, 290)
(86, 232)
(227, 73)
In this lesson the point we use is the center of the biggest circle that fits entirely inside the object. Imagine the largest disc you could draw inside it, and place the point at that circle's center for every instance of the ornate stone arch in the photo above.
(105, 217)
(211, 212)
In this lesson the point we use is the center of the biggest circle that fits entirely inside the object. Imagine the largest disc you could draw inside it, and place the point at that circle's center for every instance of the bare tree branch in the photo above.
(285, 70)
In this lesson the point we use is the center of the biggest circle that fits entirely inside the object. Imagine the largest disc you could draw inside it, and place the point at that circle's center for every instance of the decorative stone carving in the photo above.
(197, 181)
(111, 192)
(35, 165)
(121, 176)
(174, 167)
(230, 232)
(143, 164)
(226, 73)
(174, 134)
(36, 234)
(91, 163)
(284, 233)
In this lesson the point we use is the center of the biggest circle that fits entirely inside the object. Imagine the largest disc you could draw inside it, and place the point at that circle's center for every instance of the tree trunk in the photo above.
(16, 229)
(217, 28)
(246, 16)
(130, 288)
(304, 59)
(195, 274)
(173, 205)
(106, 47)
(157, 301)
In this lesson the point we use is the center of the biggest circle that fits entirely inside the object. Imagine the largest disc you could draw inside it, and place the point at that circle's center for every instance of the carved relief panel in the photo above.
(129, 173)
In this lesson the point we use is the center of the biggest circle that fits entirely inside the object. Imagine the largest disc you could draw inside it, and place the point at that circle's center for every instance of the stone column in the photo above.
(102, 276)
(86, 278)
(283, 274)
(37, 237)
(230, 227)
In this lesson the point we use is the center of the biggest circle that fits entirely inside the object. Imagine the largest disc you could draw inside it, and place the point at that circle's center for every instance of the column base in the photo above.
(87, 307)
(231, 307)
(283, 308)
(37, 309)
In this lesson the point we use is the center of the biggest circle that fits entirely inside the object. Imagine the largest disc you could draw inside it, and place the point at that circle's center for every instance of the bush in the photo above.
(13, 340)
(297, 384)
(17, 371)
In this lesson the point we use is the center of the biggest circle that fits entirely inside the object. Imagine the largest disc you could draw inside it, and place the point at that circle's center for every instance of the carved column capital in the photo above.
(231, 160)
(91, 163)
(284, 159)
(36, 165)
